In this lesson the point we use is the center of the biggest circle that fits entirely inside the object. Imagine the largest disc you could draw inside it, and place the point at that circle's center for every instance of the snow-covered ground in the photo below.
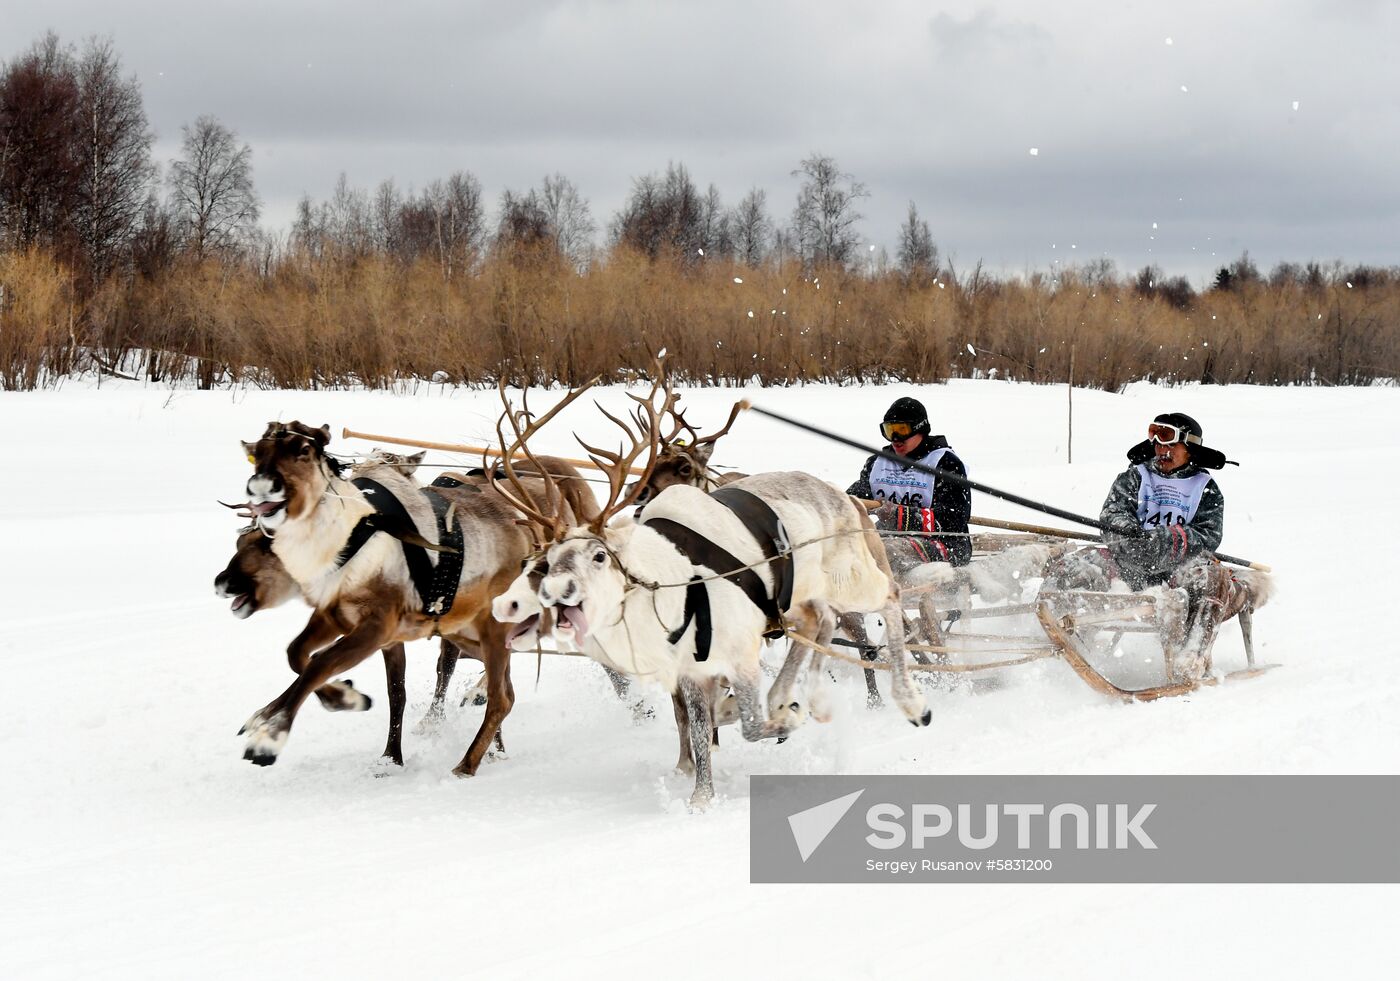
(137, 843)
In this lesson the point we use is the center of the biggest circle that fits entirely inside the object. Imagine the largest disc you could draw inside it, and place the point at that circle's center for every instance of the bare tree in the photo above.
(569, 217)
(524, 228)
(212, 187)
(116, 160)
(155, 237)
(40, 168)
(348, 220)
(662, 216)
(823, 222)
(751, 228)
(714, 233)
(918, 256)
(458, 221)
(386, 216)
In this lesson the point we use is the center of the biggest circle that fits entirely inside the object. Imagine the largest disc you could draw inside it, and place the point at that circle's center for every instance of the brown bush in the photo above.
(529, 315)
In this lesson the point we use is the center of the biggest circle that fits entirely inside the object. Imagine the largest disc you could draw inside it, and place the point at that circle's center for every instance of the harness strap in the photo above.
(697, 608)
(772, 537)
(436, 584)
(703, 552)
(768, 530)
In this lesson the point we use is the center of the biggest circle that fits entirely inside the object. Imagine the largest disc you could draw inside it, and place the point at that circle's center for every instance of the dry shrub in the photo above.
(38, 314)
(527, 315)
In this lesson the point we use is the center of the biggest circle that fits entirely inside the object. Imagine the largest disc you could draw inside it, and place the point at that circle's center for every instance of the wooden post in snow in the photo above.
(1069, 438)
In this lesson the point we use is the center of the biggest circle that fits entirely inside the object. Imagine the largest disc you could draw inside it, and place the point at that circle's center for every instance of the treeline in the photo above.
(111, 263)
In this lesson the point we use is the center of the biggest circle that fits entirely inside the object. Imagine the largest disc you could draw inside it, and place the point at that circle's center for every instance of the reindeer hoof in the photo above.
(343, 696)
(266, 737)
(922, 720)
(700, 802)
(463, 772)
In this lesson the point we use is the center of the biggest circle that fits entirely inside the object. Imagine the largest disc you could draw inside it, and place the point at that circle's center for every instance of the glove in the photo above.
(898, 517)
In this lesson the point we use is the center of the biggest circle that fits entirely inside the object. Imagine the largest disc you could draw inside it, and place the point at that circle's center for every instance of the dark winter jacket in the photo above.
(1148, 556)
(951, 505)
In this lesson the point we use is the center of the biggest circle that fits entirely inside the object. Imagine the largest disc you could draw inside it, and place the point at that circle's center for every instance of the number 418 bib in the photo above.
(1164, 500)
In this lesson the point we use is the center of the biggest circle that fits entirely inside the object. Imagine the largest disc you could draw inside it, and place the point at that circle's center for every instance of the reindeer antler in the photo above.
(646, 416)
(739, 406)
(548, 522)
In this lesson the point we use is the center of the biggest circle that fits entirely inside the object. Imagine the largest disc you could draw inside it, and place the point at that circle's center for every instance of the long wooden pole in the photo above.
(424, 444)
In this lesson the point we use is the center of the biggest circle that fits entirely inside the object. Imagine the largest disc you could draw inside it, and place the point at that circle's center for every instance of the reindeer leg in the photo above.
(1247, 629)
(906, 695)
(623, 687)
(448, 655)
(393, 669)
(500, 693)
(752, 723)
(338, 696)
(782, 707)
(267, 729)
(686, 762)
(697, 709)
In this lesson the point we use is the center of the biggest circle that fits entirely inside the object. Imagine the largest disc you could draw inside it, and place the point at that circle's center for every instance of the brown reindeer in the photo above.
(348, 548)
(682, 461)
(255, 579)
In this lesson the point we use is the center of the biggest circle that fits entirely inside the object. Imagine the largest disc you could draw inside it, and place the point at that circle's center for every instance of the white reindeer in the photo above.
(620, 595)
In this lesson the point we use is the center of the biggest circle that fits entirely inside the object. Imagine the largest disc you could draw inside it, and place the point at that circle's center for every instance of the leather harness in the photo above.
(767, 529)
(436, 584)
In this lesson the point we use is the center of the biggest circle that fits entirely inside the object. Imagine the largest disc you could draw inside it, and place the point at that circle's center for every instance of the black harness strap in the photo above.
(772, 538)
(697, 608)
(436, 585)
(765, 526)
(447, 574)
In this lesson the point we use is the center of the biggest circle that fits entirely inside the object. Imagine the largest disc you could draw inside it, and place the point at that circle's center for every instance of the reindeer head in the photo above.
(520, 605)
(291, 471)
(585, 583)
(255, 578)
(682, 462)
(406, 464)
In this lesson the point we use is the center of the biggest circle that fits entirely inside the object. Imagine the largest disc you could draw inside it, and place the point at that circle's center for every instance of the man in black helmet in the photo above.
(914, 500)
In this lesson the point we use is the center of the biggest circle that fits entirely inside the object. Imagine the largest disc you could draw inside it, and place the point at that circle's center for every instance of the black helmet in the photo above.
(907, 410)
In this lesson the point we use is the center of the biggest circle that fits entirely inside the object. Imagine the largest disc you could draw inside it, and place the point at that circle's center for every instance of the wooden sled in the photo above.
(1073, 654)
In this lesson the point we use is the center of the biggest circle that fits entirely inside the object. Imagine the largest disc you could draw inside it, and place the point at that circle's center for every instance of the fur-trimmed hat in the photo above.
(1196, 451)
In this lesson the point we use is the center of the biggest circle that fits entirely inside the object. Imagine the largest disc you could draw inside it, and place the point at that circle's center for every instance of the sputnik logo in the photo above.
(811, 827)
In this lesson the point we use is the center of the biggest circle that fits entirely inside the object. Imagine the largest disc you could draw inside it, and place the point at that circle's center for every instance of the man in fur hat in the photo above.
(1167, 516)
(1165, 506)
(914, 500)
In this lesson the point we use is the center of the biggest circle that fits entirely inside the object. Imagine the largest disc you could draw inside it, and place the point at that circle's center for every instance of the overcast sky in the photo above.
(1173, 132)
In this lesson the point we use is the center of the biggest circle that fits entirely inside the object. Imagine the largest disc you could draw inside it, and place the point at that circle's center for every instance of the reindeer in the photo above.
(370, 597)
(255, 579)
(688, 461)
(628, 597)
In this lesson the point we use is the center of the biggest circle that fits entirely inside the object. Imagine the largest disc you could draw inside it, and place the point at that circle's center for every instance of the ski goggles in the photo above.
(1167, 434)
(895, 431)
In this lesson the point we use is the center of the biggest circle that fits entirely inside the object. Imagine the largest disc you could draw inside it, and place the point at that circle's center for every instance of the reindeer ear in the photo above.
(248, 450)
(323, 436)
(701, 452)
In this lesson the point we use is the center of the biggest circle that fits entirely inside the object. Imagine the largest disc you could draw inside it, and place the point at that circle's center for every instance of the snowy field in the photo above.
(138, 844)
